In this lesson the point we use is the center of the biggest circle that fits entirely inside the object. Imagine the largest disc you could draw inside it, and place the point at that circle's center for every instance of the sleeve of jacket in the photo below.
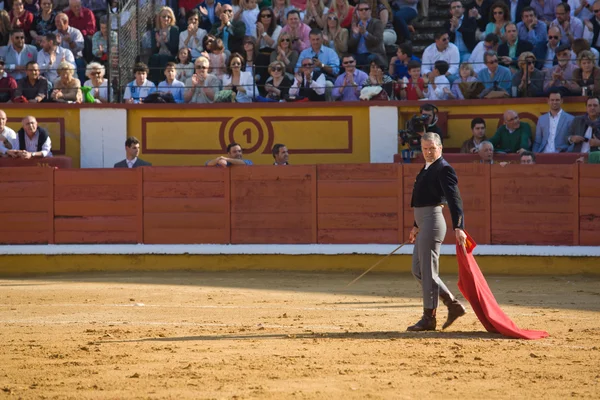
(526, 137)
(467, 29)
(375, 37)
(449, 183)
(537, 144)
(173, 44)
(451, 35)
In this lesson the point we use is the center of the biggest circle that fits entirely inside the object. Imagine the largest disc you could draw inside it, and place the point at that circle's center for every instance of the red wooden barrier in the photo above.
(186, 205)
(61, 162)
(589, 205)
(26, 205)
(541, 158)
(273, 204)
(360, 203)
(98, 206)
(535, 204)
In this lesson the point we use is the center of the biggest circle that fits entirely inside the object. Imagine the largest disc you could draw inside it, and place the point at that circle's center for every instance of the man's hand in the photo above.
(13, 153)
(461, 238)
(594, 142)
(454, 23)
(521, 151)
(27, 155)
(474, 13)
(576, 139)
(533, 23)
(362, 29)
(506, 60)
(413, 234)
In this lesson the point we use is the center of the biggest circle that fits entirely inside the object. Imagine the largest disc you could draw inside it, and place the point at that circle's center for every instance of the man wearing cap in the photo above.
(17, 54)
(560, 76)
(7, 84)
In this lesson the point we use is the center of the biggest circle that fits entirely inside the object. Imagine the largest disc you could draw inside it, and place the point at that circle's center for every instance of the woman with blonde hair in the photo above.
(278, 85)
(67, 88)
(529, 81)
(588, 74)
(164, 41)
(285, 53)
(344, 11)
(466, 75)
(202, 87)
(314, 14)
(334, 36)
(95, 72)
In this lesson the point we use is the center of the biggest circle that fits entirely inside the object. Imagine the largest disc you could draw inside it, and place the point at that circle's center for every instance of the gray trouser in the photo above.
(426, 255)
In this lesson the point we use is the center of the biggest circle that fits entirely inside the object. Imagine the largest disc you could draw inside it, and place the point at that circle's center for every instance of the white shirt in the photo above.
(440, 82)
(48, 69)
(11, 136)
(432, 54)
(318, 86)
(550, 148)
(585, 147)
(130, 163)
(102, 89)
(476, 57)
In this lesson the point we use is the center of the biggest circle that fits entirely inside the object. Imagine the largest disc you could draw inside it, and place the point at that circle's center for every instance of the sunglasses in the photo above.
(201, 67)
(277, 69)
(332, 18)
(348, 62)
(307, 65)
(498, 12)
(228, 11)
(553, 37)
(266, 16)
(493, 62)
(166, 17)
(364, 9)
(596, 11)
(97, 73)
(285, 40)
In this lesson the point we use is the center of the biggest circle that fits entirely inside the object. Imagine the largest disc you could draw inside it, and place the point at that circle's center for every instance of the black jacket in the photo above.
(438, 184)
(467, 29)
(522, 46)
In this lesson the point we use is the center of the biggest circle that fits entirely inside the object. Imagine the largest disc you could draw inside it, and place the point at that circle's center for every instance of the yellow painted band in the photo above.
(14, 265)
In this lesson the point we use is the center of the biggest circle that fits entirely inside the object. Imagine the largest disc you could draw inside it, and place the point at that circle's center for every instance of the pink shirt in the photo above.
(304, 40)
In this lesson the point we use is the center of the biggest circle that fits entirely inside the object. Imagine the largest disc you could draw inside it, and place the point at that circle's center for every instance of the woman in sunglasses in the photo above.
(95, 72)
(238, 81)
(499, 17)
(334, 36)
(278, 85)
(285, 53)
(529, 81)
(164, 42)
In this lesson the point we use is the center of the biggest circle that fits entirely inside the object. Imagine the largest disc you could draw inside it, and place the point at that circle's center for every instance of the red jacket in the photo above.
(86, 23)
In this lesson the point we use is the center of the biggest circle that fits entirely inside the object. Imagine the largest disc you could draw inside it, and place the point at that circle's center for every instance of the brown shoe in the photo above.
(455, 311)
(427, 322)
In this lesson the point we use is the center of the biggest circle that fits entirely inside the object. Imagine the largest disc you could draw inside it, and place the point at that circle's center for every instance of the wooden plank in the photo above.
(185, 174)
(95, 208)
(77, 237)
(283, 187)
(358, 221)
(574, 203)
(469, 170)
(96, 224)
(27, 204)
(538, 186)
(184, 189)
(185, 236)
(400, 204)
(271, 204)
(508, 202)
(24, 189)
(50, 205)
(531, 237)
(30, 237)
(356, 236)
(534, 221)
(208, 204)
(268, 173)
(357, 189)
(590, 223)
(23, 174)
(314, 228)
(97, 192)
(589, 187)
(589, 171)
(33, 221)
(357, 172)
(589, 206)
(93, 177)
(529, 173)
(357, 204)
(589, 238)
(184, 220)
(139, 217)
(271, 220)
(486, 235)
(226, 206)
(286, 235)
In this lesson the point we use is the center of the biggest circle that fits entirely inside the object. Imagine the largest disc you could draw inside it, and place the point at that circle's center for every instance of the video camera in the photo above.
(414, 126)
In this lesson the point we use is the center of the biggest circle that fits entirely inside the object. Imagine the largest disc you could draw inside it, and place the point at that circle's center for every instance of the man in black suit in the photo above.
(435, 186)
(461, 30)
(132, 150)
(512, 39)
(366, 37)
(234, 39)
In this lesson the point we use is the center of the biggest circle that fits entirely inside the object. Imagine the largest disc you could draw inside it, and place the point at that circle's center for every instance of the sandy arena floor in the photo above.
(269, 335)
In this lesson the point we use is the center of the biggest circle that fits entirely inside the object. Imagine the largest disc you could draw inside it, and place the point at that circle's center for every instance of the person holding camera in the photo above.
(431, 123)
(584, 135)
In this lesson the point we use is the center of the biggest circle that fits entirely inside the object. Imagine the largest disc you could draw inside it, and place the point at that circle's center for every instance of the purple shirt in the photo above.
(350, 93)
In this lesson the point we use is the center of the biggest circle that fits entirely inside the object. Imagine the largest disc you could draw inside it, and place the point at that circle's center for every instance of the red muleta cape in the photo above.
(474, 287)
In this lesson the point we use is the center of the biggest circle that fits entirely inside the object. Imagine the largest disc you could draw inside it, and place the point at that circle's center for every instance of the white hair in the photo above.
(432, 137)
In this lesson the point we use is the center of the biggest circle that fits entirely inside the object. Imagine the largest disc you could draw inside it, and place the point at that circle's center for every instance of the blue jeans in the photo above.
(402, 18)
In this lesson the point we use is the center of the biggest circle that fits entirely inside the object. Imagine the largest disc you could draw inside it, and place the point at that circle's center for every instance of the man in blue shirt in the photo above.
(234, 157)
(494, 77)
(461, 30)
(325, 59)
(399, 65)
(172, 85)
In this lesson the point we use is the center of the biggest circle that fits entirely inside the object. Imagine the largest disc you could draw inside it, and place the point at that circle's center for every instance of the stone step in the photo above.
(422, 37)
(428, 25)
(441, 4)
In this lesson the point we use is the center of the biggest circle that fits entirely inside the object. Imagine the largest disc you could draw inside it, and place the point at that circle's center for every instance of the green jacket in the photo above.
(507, 142)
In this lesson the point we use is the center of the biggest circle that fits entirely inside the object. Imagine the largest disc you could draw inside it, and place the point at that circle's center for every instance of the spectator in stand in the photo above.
(95, 72)
(580, 45)
(545, 9)
(72, 39)
(510, 51)
(552, 128)
(516, 9)
(587, 76)
(472, 145)
(490, 43)
(581, 9)
(132, 151)
(308, 83)
(399, 64)
(238, 81)
(431, 123)
(378, 77)
(218, 57)
(66, 89)
(383, 12)
(298, 31)
(100, 42)
(348, 85)
(334, 36)
(60, 5)
(32, 141)
(185, 67)
(530, 29)
(209, 11)
(461, 29)
(43, 23)
(84, 20)
(165, 42)
(8, 137)
(51, 55)
(495, 78)
(33, 88)
(440, 87)
(529, 81)
(285, 53)
(281, 8)
(17, 54)
(584, 135)
(234, 157)
(414, 87)
(571, 28)
(278, 85)
(229, 30)
(561, 75)
(98, 7)
(32, 6)
(344, 11)
(512, 137)
(325, 59)
(404, 12)
(499, 17)
(546, 52)
(5, 28)
(315, 14)
(464, 82)
(20, 18)
(441, 49)
(592, 27)
(184, 7)
(486, 152)
(7, 85)
(172, 85)
(267, 32)
(366, 36)
(201, 87)
(249, 16)
(191, 38)
(527, 157)
(137, 90)
(280, 154)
